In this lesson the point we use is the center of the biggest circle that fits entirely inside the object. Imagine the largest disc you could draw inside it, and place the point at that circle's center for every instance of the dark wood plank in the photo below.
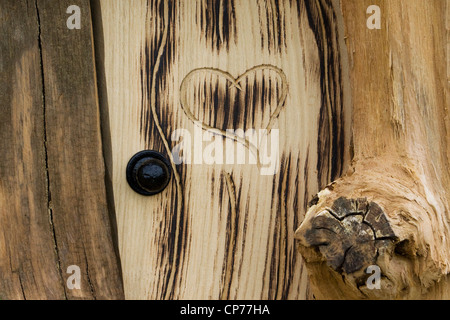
(53, 208)
(79, 210)
(28, 262)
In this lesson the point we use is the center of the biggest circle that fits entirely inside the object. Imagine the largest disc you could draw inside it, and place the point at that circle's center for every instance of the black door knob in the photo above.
(148, 172)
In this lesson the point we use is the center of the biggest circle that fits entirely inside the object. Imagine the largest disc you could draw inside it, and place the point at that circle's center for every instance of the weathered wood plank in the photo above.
(53, 210)
(79, 209)
(28, 262)
(222, 230)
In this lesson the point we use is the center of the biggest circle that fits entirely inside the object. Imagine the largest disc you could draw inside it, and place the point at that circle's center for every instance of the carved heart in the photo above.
(235, 82)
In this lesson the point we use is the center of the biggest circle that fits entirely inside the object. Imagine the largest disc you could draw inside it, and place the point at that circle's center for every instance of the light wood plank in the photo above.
(222, 231)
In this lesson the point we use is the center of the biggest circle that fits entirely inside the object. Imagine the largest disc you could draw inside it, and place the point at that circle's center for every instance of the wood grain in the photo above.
(222, 230)
(52, 199)
(401, 139)
(28, 262)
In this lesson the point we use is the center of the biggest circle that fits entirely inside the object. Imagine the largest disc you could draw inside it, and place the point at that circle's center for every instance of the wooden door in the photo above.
(173, 71)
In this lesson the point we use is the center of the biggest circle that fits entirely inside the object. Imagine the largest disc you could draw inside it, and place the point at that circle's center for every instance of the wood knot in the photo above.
(349, 234)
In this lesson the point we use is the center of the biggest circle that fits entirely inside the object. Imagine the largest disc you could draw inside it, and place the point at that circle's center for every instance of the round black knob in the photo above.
(148, 172)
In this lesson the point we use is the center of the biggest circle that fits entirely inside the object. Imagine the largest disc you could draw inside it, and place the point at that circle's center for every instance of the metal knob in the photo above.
(148, 172)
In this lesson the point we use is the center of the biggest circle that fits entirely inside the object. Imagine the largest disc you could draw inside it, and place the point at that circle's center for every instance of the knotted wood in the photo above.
(401, 141)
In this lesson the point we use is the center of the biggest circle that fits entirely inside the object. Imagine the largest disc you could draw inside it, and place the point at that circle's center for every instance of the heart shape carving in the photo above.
(235, 82)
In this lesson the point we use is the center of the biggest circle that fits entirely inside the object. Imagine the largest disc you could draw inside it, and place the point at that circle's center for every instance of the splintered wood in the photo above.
(401, 139)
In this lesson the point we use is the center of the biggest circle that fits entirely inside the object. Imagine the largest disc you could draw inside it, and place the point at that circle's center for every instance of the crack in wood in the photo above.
(21, 287)
(49, 197)
(91, 286)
